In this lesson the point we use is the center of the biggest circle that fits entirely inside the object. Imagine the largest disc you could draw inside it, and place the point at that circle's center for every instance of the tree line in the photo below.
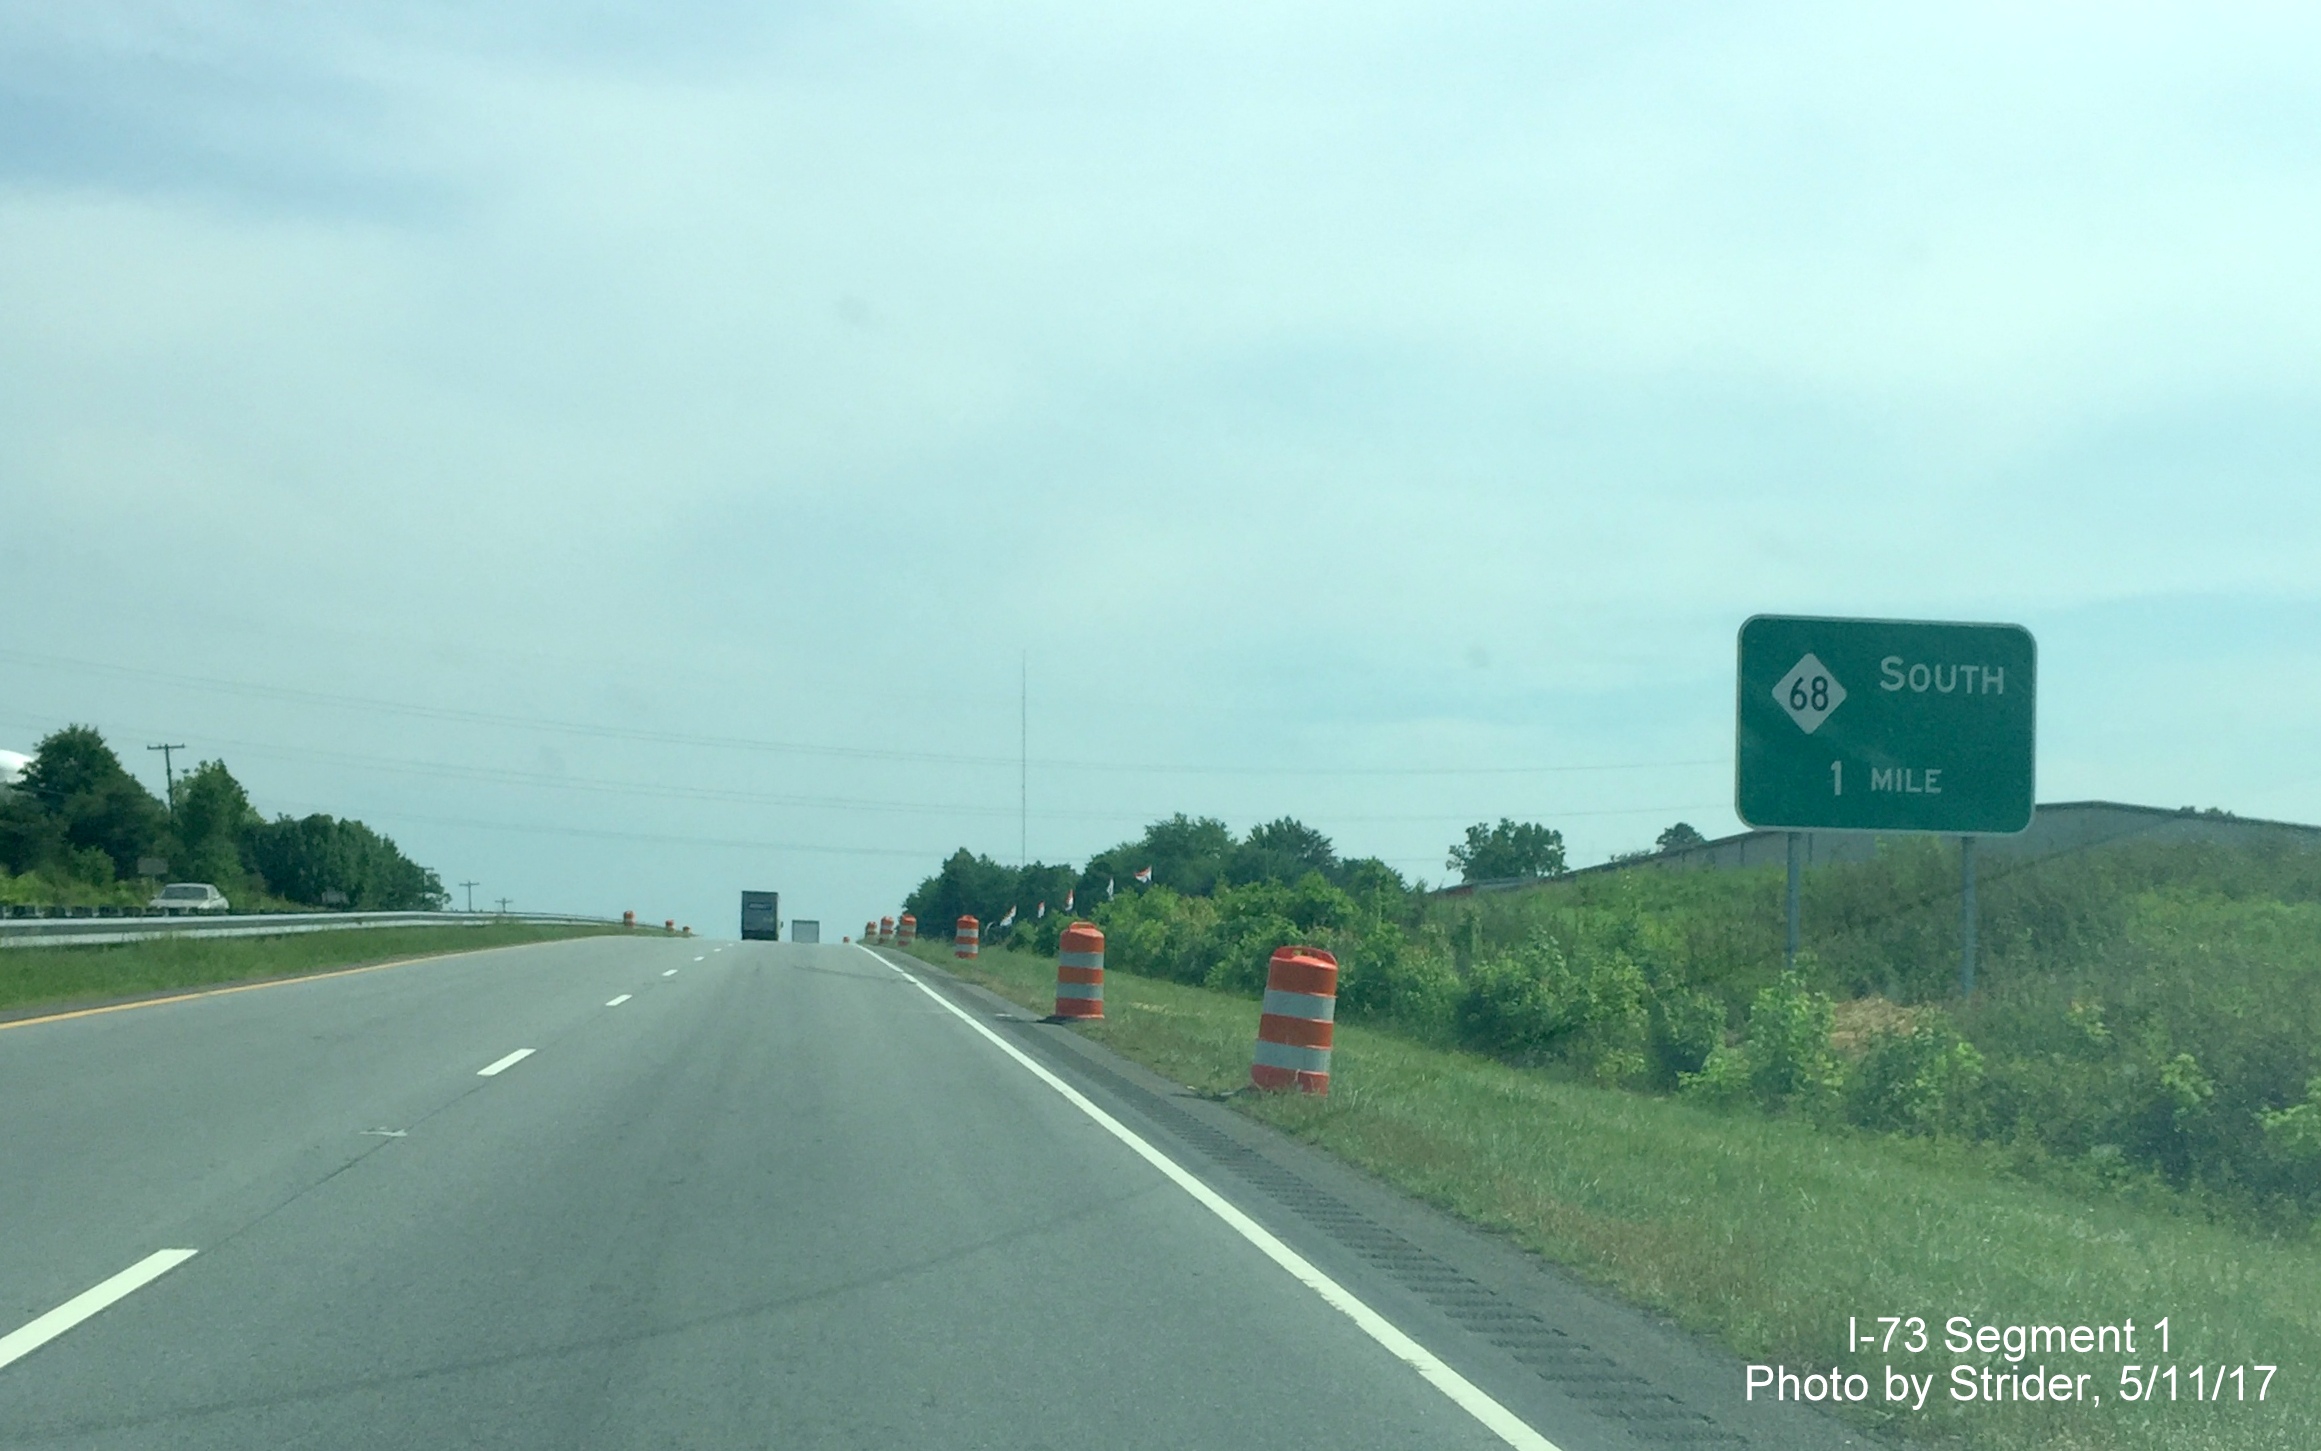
(1196, 856)
(1186, 855)
(79, 827)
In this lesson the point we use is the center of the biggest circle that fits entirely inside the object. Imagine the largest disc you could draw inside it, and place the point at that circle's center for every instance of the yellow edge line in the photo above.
(251, 987)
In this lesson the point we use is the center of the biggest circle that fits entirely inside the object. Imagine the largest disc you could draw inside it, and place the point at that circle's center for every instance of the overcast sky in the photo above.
(626, 451)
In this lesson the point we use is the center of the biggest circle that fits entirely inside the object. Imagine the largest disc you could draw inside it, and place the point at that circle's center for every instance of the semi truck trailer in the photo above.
(761, 916)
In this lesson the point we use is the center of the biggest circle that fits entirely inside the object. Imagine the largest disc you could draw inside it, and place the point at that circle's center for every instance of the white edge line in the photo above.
(672, 972)
(23, 1341)
(1468, 1396)
(616, 1002)
(491, 1069)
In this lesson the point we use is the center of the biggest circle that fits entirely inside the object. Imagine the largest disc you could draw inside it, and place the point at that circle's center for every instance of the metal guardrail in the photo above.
(101, 931)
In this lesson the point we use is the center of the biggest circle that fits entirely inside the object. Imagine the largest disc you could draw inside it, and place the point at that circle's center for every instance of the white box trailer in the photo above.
(805, 929)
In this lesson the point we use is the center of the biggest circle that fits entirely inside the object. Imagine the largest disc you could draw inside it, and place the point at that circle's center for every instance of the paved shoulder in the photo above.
(1583, 1370)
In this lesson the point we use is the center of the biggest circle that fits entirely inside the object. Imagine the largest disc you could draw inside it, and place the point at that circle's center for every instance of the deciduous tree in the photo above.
(1510, 849)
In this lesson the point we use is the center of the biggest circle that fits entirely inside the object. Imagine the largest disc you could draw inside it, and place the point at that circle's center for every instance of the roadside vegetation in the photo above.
(59, 978)
(79, 831)
(1766, 1231)
(2147, 1021)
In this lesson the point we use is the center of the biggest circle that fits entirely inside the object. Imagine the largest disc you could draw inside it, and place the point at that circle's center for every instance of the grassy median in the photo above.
(1766, 1234)
(34, 978)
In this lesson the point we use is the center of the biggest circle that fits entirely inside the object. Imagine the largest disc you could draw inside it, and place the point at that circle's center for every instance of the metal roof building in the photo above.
(2056, 829)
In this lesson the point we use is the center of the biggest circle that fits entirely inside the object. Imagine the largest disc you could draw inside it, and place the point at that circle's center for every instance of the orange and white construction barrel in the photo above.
(966, 938)
(906, 930)
(1080, 972)
(886, 931)
(869, 932)
(1293, 1033)
(628, 919)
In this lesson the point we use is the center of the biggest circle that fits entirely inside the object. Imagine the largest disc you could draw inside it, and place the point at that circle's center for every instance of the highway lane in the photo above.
(780, 1198)
(181, 1122)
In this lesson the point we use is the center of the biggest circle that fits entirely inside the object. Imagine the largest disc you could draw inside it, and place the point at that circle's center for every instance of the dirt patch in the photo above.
(1861, 1019)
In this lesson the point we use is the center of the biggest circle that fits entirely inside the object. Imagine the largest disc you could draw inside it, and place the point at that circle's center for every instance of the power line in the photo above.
(376, 706)
(656, 838)
(510, 776)
(669, 790)
(666, 790)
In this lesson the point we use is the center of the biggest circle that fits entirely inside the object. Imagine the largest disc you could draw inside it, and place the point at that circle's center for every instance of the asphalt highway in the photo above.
(651, 1193)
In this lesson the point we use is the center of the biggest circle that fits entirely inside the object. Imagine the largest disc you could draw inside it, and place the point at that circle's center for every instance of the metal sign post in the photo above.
(1887, 726)
(1792, 898)
(1966, 917)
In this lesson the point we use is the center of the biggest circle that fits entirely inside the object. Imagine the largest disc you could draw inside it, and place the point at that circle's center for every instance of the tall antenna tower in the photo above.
(1023, 779)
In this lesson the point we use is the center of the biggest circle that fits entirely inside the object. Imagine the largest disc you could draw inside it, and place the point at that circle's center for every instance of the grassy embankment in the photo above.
(1767, 1233)
(63, 977)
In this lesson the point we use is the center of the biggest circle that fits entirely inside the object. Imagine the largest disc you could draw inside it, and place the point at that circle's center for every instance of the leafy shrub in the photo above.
(1157, 932)
(1687, 1026)
(1243, 940)
(1538, 1004)
(1922, 1079)
(1784, 1060)
(58, 889)
(2294, 1133)
(1386, 976)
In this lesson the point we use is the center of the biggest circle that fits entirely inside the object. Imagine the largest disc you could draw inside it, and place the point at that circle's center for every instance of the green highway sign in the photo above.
(1885, 725)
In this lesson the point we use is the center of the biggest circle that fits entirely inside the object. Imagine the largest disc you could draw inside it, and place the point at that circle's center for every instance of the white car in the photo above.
(188, 897)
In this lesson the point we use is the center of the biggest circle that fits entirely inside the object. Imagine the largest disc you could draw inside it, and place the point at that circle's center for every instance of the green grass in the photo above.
(1766, 1234)
(60, 977)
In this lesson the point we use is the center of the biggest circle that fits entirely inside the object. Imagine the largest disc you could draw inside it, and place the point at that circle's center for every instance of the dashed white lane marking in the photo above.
(701, 959)
(1468, 1396)
(672, 972)
(489, 1070)
(616, 1002)
(22, 1342)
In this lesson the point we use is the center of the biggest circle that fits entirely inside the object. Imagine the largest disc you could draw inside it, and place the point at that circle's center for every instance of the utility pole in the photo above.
(471, 886)
(168, 776)
(503, 906)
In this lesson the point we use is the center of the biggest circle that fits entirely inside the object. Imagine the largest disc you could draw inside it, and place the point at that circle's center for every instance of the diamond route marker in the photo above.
(1809, 693)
